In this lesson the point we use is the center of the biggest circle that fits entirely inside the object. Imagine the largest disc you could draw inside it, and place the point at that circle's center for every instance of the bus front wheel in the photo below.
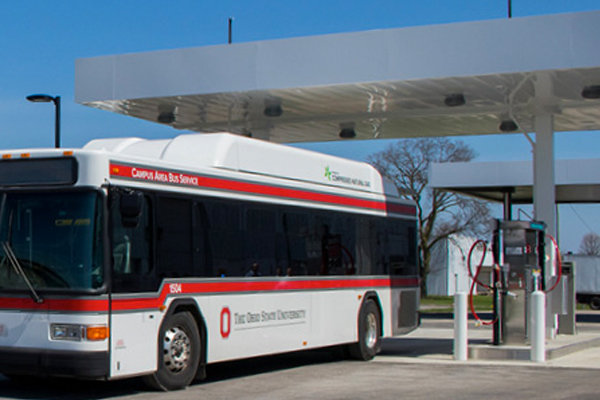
(178, 353)
(369, 328)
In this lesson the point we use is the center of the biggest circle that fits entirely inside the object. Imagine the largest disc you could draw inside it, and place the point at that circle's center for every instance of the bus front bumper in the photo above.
(41, 362)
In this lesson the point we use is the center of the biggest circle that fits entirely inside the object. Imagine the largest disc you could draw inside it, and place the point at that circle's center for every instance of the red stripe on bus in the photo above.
(178, 178)
(73, 305)
(199, 288)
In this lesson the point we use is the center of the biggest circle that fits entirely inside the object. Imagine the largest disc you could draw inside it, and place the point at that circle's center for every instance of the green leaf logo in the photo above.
(327, 172)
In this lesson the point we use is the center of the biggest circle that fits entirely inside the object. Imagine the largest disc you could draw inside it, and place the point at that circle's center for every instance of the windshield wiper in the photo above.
(14, 262)
(10, 254)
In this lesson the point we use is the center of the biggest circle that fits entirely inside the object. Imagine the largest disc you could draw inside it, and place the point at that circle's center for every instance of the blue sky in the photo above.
(40, 41)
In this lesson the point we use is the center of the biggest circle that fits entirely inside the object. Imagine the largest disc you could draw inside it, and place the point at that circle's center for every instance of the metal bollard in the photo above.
(538, 326)
(461, 337)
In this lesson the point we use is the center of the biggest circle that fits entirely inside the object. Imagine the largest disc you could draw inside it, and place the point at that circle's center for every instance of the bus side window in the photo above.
(201, 255)
(294, 243)
(260, 227)
(174, 237)
(225, 243)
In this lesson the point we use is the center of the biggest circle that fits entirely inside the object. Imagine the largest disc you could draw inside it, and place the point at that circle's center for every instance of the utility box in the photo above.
(567, 319)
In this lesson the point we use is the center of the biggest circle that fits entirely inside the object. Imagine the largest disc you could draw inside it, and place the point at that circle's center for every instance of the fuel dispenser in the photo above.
(520, 257)
(522, 265)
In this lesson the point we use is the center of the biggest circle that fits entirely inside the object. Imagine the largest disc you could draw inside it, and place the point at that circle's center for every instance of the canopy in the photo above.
(455, 79)
(576, 181)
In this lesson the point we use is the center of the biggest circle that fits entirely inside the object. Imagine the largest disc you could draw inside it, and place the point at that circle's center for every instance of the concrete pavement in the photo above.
(418, 366)
(432, 342)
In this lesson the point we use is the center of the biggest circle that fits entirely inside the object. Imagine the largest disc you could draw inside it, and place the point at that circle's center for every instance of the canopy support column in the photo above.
(544, 194)
(508, 205)
(543, 172)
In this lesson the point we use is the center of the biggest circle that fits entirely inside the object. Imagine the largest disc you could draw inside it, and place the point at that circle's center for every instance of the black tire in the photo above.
(178, 353)
(369, 329)
(595, 303)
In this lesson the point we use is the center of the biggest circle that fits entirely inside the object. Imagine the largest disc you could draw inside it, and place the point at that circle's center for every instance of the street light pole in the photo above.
(57, 122)
(44, 98)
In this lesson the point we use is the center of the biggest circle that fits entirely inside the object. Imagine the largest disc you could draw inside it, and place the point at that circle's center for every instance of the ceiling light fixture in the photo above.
(167, 113)
(347, 130)
(508, 125)
(167, 117)
(454, 100)
(273, 108)
(591, 92)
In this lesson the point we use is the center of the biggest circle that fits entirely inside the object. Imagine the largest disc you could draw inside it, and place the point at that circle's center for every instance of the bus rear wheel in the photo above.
(369, 328)
(178, 353)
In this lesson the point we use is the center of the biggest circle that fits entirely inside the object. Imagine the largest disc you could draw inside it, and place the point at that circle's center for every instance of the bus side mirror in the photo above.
(130, 206)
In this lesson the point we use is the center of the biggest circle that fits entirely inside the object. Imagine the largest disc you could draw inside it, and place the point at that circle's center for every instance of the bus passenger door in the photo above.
(134, 317)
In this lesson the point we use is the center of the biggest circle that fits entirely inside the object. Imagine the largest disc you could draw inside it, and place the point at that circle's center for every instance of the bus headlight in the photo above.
(74, 332)
(66, 332)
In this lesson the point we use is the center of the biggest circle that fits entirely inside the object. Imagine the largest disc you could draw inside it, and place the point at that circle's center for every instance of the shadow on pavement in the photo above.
(66, 389)
(29, 388)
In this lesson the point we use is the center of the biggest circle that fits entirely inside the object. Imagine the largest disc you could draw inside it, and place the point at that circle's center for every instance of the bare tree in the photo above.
(439, 213)
(590, 244)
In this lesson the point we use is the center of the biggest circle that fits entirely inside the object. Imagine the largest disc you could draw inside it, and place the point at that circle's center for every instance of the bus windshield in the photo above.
(50, 240)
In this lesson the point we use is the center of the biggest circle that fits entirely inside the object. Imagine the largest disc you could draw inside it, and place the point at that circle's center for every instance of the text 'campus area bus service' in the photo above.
(154, 258)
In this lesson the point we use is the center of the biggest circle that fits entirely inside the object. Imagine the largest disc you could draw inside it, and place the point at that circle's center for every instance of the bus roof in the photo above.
(229, 152)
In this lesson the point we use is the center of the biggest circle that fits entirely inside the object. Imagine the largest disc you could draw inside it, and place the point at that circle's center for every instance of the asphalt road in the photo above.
(321, 375)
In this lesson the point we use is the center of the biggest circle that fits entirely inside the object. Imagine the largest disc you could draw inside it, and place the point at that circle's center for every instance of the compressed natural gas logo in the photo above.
(328, 173)
(335, 176)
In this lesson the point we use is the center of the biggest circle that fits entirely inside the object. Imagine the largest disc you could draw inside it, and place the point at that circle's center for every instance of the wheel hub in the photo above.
(176, 349)
(371, 331)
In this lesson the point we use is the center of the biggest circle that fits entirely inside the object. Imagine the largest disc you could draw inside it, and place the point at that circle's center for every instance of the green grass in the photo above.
(438, 304)
(581, 306)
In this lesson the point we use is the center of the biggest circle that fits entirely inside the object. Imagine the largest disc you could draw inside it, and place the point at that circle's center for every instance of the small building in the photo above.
(449, 272)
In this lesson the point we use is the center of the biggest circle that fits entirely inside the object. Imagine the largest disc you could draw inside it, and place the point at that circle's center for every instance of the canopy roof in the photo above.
(576, 181)
(377, 84)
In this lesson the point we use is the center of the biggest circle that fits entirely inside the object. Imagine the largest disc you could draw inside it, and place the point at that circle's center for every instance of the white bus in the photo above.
(154, 258)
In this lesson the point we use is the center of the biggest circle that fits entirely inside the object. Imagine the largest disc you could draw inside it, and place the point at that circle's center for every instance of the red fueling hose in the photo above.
(480, 261)
(558, 264)
(475, 281)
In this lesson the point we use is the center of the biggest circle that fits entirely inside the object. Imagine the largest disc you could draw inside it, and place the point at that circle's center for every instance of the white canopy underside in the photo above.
(385, 84)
